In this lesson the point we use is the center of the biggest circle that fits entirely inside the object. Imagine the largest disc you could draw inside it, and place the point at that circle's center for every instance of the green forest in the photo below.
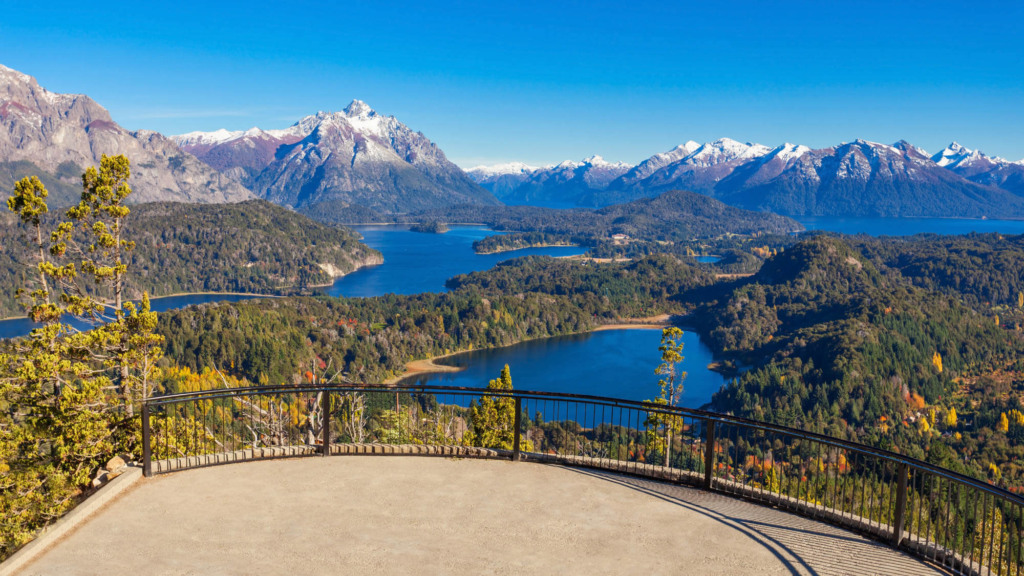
(250, 247)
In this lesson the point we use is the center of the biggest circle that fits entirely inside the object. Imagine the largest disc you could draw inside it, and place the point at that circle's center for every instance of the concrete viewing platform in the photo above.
(407, 515)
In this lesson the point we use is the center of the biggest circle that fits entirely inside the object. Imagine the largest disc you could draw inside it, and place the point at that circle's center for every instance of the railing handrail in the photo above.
(654, 407)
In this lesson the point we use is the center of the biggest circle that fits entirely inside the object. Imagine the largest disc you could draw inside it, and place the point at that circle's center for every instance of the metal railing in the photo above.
(950, 519)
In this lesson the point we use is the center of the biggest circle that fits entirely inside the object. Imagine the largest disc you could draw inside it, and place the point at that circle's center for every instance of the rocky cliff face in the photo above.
(355, 157)
(62, 134)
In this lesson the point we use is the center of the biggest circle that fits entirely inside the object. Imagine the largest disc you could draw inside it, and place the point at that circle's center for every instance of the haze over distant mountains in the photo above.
(355, 156)
(56, 136)
(858, 178)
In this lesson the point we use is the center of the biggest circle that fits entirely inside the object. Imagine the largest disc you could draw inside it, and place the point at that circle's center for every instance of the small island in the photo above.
(434, 227)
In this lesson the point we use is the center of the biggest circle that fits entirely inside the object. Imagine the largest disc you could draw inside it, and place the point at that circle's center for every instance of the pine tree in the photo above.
(671, 387)
(493, 418)
(61, 423)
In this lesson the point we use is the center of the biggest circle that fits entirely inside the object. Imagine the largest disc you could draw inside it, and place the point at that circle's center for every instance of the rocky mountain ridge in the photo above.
(858, 178)
(57, 136)
(355, 157)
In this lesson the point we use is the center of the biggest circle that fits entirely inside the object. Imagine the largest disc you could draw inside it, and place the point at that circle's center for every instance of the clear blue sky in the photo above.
(547, 81)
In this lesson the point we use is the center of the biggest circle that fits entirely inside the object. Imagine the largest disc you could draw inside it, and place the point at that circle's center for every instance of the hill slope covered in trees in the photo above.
(252, 246)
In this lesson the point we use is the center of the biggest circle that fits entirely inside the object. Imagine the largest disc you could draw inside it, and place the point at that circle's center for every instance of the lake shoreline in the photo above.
(503, 250)
(178, 294)
(430, 365)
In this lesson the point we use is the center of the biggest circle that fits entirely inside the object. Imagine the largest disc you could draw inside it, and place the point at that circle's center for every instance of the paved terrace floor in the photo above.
(394, 515)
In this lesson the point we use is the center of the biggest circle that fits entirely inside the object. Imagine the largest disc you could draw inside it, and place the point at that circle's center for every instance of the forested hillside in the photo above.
(252, 246)
(837, 346)
(986, 270)
(270, 341)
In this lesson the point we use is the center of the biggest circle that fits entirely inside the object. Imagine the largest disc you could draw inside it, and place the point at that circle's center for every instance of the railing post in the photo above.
(709, 454)
(517, 424)
(901, 505)
(325, 406)
(147, 450)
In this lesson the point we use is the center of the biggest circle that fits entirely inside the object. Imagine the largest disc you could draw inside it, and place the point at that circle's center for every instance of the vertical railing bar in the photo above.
(147, 451)
(927, 494)
(991, 540)
(875, 481)
(817, 477)
(984, 520)
(960, 536)
(999, 555)
(780, 474)
(1015, 551)
(325, 410)
(946, 521)
(636, 430)
(914, 519)
(576, 419)
(864, 478)
(974, 523)
(709, 454)
(834, 478)
(516, 428)
(901, 504)
(841, 483)
(209, 439)
(735, 465)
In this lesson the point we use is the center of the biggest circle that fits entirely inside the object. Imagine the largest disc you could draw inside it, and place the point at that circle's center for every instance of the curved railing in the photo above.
(940, 515)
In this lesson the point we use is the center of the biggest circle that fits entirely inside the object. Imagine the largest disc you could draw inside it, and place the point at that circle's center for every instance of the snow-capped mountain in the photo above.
(864, 178)
(352, 157)
(501, 179)
(481, 173)
(56, 136)
(987, 170)
(564, 183)
(859, 178)
(688, 167)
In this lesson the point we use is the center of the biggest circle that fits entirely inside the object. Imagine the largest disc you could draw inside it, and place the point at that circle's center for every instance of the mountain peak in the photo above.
(952, 154)
(10, 74)
(358, 108)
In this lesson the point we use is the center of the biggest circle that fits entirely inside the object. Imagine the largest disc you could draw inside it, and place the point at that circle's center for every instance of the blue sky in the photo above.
(548, 81)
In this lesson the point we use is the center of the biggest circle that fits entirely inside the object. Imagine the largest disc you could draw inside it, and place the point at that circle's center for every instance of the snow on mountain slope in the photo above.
(353, 157)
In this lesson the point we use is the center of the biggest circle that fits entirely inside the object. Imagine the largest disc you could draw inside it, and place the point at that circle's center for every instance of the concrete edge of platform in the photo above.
(78, 515)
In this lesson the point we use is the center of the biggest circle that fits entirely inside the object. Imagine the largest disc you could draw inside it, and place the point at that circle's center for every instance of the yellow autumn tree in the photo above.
(923, 427)
(1004, 423)
(951, 418)
(937, 361)
(493, 418)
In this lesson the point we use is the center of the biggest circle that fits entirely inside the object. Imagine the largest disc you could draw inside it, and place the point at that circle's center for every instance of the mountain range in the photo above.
(356, 156)
(857, 178)
(56, 136)
(362, 163)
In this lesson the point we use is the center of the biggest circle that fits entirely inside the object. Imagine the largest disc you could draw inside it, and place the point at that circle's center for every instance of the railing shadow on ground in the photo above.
(954, 521)
(794, 540)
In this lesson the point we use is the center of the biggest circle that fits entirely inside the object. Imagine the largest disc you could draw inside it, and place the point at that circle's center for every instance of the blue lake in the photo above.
(909, 226)
(21, 326)
(615, 363)
(707, 259)
(414, 262)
